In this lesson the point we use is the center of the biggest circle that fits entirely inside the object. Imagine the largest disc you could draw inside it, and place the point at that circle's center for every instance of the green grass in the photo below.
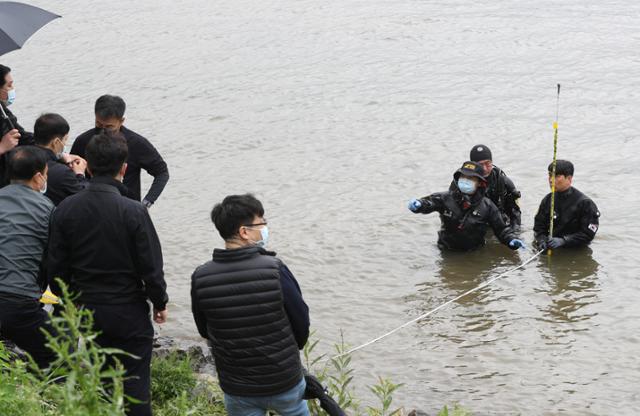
(79, 384)
(175, 390)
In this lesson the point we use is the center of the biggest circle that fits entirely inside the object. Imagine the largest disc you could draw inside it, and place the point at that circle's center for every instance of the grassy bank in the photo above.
(79, 383)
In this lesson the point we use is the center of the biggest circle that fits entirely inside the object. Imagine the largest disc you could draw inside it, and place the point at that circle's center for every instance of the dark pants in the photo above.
(128, 327)
(21, 322)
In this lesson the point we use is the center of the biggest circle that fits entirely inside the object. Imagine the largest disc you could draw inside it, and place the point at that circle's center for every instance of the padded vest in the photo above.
(251, 338)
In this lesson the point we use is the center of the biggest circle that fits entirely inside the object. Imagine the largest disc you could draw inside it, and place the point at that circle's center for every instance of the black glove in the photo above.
(556, 242)
(541, 244)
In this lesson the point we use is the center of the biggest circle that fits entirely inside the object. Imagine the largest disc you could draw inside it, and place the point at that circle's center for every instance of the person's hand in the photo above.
(78, 165)
(159, 317)
(67, 158)
(9, 141)
(516, 244)
(556, 242)
(414, 205)
(541, 245)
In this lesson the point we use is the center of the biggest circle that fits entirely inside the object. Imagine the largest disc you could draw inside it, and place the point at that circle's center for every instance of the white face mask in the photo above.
(61, 152)
(44, 187)
(466, 186)
(11, 97)
(264, 233)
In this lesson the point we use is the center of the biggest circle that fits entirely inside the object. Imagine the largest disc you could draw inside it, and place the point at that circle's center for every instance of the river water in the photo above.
(335, 113)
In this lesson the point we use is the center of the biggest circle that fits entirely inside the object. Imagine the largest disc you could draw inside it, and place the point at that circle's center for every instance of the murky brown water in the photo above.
(335, 113)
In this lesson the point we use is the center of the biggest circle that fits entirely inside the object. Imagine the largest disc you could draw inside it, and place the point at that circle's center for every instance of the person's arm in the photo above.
(500, 229)
(431, 203)
(11, 123)
(8, 141)
(511, 207)
(58, 254)
(589, 224)
(295, 307)
(198, 316)
(148, 257)
(73, 182)
(152, 162)
(43, 279)
(541, 222)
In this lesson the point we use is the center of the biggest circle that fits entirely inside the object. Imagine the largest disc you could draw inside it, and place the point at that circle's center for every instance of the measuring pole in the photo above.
(553, 169)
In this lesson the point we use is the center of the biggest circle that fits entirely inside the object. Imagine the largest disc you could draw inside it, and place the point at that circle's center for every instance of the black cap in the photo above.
(470, 169)
(480, 152)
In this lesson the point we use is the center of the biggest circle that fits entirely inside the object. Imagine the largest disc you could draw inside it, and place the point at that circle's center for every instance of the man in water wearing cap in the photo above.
(500, 189)
(576, 217)
(465, 213)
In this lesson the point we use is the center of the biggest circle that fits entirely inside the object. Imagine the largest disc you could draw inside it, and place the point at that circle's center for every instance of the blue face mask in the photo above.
(264, 232)
(11, 96)
(466, 186)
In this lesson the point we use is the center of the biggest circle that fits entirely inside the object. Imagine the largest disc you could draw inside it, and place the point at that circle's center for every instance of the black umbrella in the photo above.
(18, 21)
(315, 390)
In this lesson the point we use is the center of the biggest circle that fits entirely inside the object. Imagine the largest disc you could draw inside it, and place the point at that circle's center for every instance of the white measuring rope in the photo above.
(424, 315)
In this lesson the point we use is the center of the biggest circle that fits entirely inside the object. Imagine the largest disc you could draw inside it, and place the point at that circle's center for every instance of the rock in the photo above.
(416, 412)
(199, 352)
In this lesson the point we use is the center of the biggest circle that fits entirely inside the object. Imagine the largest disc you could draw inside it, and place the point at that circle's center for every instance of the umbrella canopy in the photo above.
(18, 21)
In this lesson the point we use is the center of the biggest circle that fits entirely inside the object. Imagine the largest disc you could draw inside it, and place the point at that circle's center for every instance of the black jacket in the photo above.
(465, 219)
(576, 218)
(61, 180)
(142, 155)
(503, 193)
(26, 138)
(254, 318)
(105, 247)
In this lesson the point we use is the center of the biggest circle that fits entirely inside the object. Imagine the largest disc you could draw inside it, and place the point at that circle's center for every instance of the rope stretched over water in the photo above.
(424, 315)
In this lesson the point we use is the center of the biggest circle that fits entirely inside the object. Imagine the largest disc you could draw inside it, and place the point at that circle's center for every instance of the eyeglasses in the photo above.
(254, 225)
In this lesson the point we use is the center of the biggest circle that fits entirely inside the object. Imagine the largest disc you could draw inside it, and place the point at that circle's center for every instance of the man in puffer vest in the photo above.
(247, 303)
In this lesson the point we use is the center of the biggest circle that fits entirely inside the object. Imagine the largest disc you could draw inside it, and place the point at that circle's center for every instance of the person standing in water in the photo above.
(465, 212)
(576, 216)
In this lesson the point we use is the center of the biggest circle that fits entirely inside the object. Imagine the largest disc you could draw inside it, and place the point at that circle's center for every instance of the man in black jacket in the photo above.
(249, 306)
(66, 172)
(465, 213)
(104, 246)
(576, 217)
(109, 112)
(500, 188)
(11, 133)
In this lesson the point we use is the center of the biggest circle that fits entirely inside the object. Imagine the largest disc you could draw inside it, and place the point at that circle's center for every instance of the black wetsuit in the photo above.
(465, 219)
(503, 193)
(576, 218)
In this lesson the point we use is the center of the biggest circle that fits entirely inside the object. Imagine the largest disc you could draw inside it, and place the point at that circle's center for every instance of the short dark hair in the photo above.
(563, 167)
(4, 70)
(110, 106)
(235, 211)
(49, 126)
(26, 161)
(106, 153)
